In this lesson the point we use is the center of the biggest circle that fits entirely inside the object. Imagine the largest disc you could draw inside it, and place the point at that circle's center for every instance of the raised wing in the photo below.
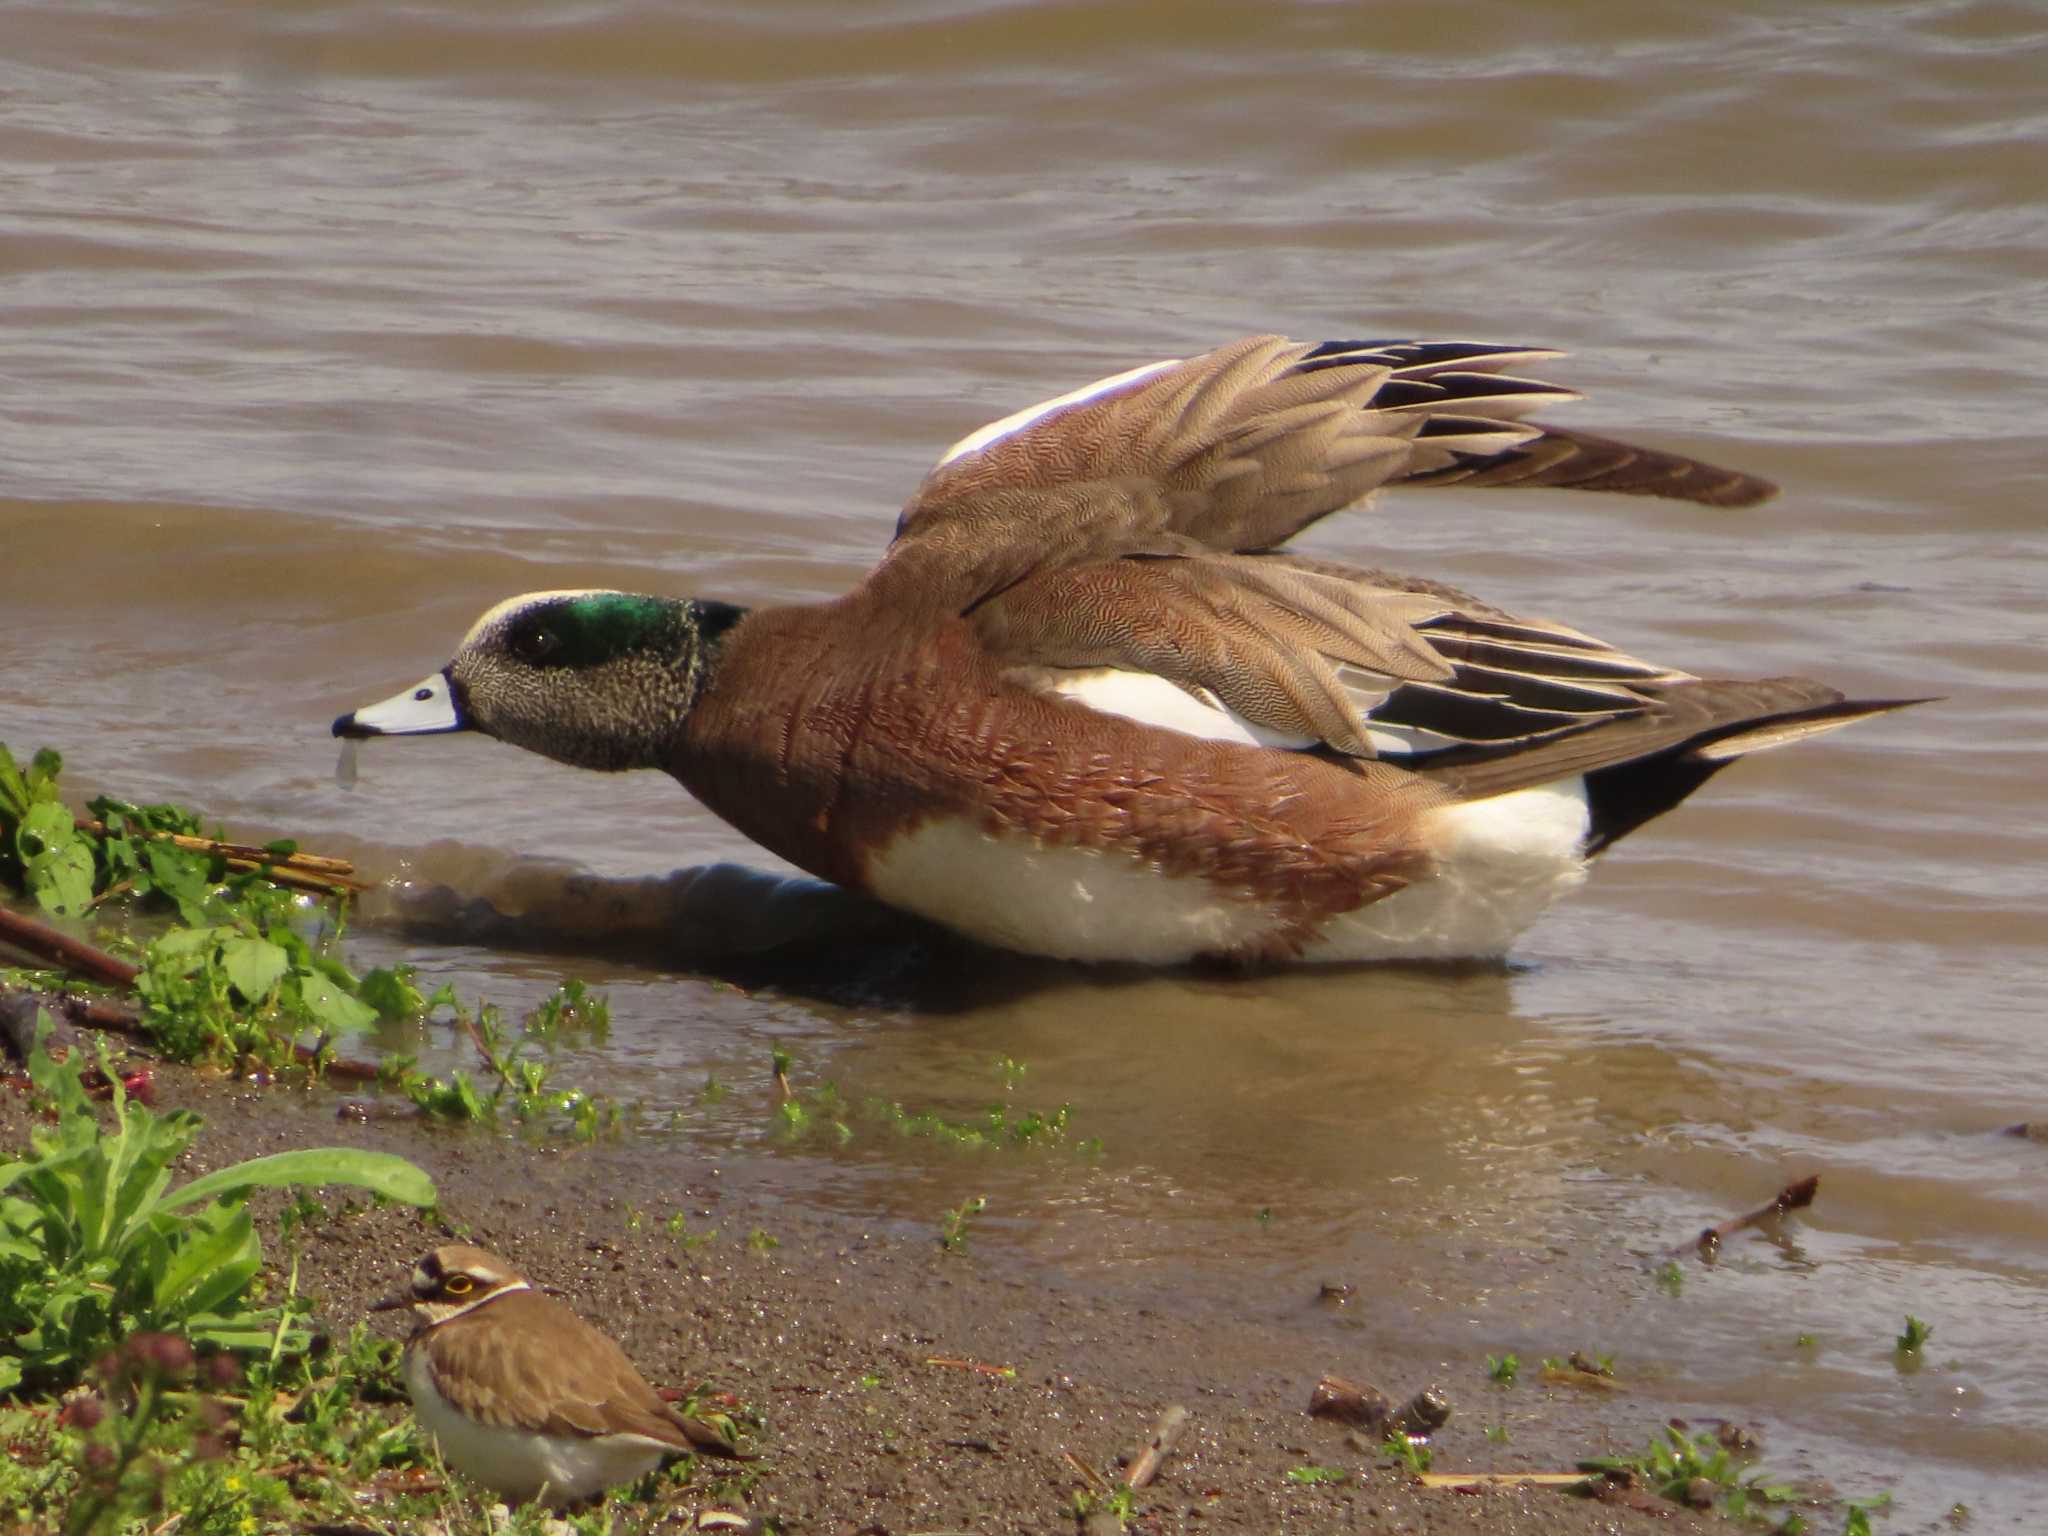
(1121, 539)
(1235, 450)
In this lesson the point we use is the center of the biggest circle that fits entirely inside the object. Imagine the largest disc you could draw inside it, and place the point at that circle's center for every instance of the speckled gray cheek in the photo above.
(616, 716)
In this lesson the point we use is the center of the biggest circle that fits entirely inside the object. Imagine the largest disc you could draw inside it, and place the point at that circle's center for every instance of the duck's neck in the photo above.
(706, 622)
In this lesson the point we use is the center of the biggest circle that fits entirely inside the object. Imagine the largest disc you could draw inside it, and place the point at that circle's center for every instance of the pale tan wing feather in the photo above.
(1263, 639)
(1236, 449)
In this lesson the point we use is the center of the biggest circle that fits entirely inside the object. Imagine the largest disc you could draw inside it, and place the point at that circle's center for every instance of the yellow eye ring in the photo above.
(456, 1285)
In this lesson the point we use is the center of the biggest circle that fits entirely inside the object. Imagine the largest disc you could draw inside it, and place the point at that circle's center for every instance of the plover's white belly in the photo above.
(518, 1463)
(1499, 863)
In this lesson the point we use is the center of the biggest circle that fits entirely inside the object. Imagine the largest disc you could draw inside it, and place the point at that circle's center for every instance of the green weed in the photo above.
(1405, 1451)
(95, 1246)
(1314, 1475)
(1502, 1368)
(953, 1224)
(1677, 1466)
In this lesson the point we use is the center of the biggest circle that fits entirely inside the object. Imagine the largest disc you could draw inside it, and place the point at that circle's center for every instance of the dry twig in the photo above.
(1793, 1197)
(1164, 1438)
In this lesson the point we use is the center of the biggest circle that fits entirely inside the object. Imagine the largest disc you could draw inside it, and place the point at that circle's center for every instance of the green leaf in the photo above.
(180, 876)
(56, 860)
(254, 966)
(13, 788)
(381, 1173)
(331, 1008)
(43, 769)
(392, 993)
(213, 1265)
(236, 1334)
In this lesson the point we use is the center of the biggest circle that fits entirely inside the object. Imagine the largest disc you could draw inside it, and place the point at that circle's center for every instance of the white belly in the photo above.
(1500, 862)
(518, 1463)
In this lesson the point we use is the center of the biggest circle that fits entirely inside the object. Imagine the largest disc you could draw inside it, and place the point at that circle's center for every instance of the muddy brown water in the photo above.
(323, 328)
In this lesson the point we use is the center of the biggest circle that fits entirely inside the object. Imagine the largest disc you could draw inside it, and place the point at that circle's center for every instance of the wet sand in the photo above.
(794, 1330)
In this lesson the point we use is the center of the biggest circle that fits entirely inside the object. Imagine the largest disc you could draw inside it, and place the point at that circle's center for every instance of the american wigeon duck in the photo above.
(1088, 707)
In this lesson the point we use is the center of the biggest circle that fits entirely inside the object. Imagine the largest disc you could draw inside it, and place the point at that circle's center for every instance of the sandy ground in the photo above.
(830, 1336)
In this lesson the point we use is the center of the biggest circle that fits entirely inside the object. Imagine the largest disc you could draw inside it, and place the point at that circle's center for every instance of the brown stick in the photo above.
(249, 851)
(1088, 1474)
(97, 1013)
(74, 955)
(1164, 1438)
(1005, 1371)
(1793, 1197)
(301, 871)
(469, 1028)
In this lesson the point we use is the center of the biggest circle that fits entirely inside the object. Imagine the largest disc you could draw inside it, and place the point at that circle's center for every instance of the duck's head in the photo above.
(594, 679)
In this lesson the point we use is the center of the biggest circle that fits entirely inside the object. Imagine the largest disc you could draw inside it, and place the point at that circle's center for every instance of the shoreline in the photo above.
(828, 1327)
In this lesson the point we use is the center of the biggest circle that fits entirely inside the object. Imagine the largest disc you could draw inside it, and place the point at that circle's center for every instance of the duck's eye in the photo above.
(535, 643)
(457, 1285)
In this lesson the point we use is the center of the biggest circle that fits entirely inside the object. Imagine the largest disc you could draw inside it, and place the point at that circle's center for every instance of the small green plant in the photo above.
(679, 1229)
(1405, 1451)
(1914, 1335)
(1676, 1466)
(1502, 1368)
(572, 1006)
(998, 1127)
(95, 1245)
(1498, 1434)
(1011, 1071)
(760, 1242)
(1317, 1475)
(1117, 1501)
(953, 1224)
(520, 1067)
(1807, 1341)
(1671, 1278)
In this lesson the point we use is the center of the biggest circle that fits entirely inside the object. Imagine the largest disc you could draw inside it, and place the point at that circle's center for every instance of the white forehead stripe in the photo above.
(976, 441)
(513, 603)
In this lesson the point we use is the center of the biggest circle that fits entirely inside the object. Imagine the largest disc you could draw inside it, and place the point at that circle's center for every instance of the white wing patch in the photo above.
(1152, 700)
(974, 442)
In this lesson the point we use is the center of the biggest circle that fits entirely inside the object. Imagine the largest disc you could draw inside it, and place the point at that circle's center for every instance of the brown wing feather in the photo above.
(1242, 447)
(527, 1361)
(1584, 461)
